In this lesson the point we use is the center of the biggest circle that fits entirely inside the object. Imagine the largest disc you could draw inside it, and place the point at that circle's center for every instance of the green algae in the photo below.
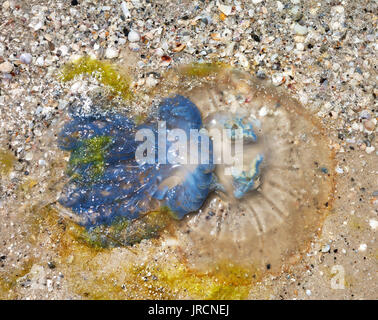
(124, 232)
(140, 118)
(103, 71)
(224, 281)
(202, 69)
(7, 160)
(92, 151)
(148, 226)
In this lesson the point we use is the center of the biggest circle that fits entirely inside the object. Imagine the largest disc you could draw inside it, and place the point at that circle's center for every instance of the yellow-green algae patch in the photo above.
(28, 185)
(103, 71)
(140, 118)
(94, 272)
(124, 232)
(7, 160)
(202, 69)
(8, 282)
(92, 151)
(224, 281)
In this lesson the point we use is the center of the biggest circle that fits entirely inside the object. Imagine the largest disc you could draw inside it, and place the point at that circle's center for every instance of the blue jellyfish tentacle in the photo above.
(239, 123)
(191, 194)
(246, 180)
(240, 127)
(180, 112)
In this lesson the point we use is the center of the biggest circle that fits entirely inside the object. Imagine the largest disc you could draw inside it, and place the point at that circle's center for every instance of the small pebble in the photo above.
(159, 52)
(277, 79)
(36, 23)
(111, 53)
(63, 50)
(151, 81)
(29, 156)
(26, 58)
(356, 126)
(133, 36)
(255, 37)
(300, 30)
(263, 111)
(125, 10)
(362, 247)
(6, 67)
(369, 149)
(225, 9)
(300, 46)
(339, 170)
(365, 114)
(369, 125)
(40, 61)
(373, 224)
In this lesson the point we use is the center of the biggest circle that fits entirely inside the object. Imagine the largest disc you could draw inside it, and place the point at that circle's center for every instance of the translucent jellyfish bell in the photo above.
(273, 221)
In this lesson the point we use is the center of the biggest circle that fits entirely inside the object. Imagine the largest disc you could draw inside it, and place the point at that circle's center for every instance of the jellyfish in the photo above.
(260, 207)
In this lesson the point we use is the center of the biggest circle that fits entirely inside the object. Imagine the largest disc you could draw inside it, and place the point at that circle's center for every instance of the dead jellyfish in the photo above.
(257, 198)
